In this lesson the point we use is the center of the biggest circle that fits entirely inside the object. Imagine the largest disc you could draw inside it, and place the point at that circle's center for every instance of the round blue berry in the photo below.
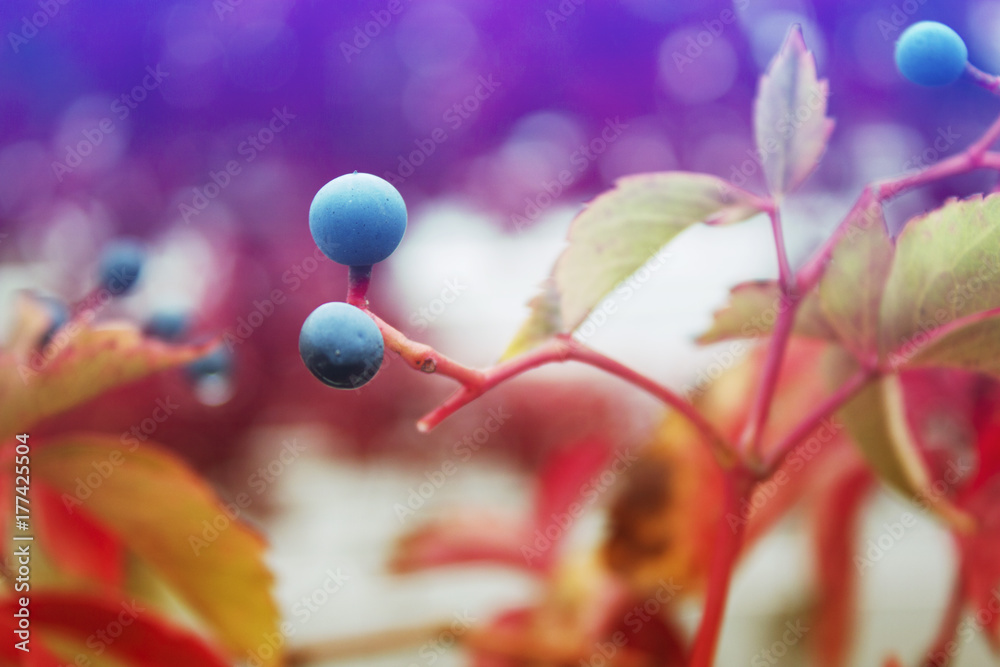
(357, 219)
(929, 53)
(120, 266)
(341, 345)
(168, 325)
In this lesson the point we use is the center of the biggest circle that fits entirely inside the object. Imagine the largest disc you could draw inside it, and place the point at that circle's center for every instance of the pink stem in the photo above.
(561, 348)
(982, 79)
(423, 357)
(834, 402)
(554, 350)
(564, 348)
(810, 273)
(358, 279)
(716, 440)
(753, 432)
(785, 274)
(976, 156)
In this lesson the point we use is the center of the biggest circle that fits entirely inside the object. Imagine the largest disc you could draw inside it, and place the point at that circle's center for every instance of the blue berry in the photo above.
(120, 266)
(929, 53)
(341, 345)
(217, 361)
(357, 219)
(58, 315)
(168, 325)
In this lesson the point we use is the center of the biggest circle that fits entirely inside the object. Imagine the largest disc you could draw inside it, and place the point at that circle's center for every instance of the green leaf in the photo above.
(543, 322)
(790, 123)
(876, 420)
(626, 227)
(852, 285)
(945, 275)
(169, 517)
(91, 362)
(971, 343)
(753, 309)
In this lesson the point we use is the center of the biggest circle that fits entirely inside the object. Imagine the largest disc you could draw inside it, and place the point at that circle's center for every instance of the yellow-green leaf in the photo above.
(81, 363)
(972, 344)
(876, 420)
(852, 284)
(753, 309)
(790, 123)
(542, 323)
(624, 228)
(170, 518)
(946, 269)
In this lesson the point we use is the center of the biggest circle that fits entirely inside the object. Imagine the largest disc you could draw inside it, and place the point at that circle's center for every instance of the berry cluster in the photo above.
(119, 269)
(357, 220)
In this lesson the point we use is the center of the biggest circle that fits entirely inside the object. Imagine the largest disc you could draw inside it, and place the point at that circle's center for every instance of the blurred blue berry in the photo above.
(929, 53)
(341, 345)
(218, 361)
(168, 325)
(357, 219)
(57, 313)
(120, 266)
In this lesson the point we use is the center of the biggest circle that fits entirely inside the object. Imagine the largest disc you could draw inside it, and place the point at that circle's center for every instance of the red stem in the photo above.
(976, 156)
(561, 348)
(750, 439)
(834, 402)
(423, 357)
(810, 273)
(728, 542)
(564, 348)
(358, 279)
(785, 275)
(716, 440)
(982, 79)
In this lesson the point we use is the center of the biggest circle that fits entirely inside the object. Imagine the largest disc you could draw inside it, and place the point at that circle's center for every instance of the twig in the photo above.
(358, 280)
(750, 440)
(834, 402)
(982, 79)
(785, 275)
(558, 349)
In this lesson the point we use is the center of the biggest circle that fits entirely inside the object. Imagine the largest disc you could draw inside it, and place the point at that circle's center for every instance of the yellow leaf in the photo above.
(89, 362)
(173, 520)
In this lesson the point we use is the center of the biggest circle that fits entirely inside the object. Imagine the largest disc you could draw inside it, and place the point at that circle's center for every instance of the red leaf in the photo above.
(837, 520)
(78, 544)
(172, 519)
(654, 636)
(562, 483)
(38, 656)
(514, 620)
(469, 537)
(124, 628)
(482, 536)
(981, 556)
